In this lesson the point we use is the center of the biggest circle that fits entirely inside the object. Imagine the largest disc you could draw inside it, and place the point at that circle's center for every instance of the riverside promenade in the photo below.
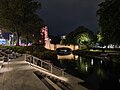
(18, 75)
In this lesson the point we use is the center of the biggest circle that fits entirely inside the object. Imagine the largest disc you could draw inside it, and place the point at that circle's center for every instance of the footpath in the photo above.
(18, 75)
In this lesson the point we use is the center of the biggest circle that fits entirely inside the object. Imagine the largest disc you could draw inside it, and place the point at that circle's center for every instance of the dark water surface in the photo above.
(98, 74)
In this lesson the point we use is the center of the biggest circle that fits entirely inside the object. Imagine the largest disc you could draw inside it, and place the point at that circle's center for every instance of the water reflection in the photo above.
(98, 74)
(101, 61)
(68, 57)
(86, 67)
(92, 61)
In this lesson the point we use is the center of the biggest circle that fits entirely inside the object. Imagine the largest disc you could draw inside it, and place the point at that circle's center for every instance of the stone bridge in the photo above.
(55, 46)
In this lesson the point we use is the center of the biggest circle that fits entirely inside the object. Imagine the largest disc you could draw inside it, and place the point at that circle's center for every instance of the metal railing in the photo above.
(45, 65)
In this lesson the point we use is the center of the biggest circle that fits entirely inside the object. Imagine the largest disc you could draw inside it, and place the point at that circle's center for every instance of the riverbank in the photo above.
(37, 51)
(111, 55)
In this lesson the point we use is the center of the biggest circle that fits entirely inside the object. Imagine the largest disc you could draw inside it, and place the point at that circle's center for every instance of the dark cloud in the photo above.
(63, 16)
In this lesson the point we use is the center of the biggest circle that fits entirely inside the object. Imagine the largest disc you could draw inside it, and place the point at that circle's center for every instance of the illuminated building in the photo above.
(2, 40)
(0, 33)
(43, 35)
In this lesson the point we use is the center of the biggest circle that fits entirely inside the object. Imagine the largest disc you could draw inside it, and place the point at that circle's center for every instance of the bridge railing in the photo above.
(49, 67)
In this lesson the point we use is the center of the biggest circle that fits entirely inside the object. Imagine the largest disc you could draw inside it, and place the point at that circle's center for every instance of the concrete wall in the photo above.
(54, 47)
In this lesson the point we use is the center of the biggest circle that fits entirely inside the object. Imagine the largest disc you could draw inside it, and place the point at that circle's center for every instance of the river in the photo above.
(98, 74)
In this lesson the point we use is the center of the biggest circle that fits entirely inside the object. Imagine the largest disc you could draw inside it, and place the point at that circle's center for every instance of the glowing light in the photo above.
(70, 57)
(76, 57)
(76, 47)
(86, 67)
(101, 61)
(80, 59)
(92, 62)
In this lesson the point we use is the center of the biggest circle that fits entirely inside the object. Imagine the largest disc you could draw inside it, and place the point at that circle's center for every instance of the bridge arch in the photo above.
(55, 46)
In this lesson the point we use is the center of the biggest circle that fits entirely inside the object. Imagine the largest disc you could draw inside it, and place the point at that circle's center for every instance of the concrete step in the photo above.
(56, 83)
(52, 84)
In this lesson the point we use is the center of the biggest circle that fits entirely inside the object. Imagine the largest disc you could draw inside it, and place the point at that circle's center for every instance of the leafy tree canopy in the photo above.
(79, 36)
(109, 20)
(18, 15)
(55, 39)
(83, 39)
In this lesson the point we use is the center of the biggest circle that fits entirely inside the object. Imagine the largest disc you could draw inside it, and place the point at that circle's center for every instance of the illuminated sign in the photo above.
(2, 41)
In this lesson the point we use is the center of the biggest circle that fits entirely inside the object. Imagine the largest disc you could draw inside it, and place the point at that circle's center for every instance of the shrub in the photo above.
(37, 51)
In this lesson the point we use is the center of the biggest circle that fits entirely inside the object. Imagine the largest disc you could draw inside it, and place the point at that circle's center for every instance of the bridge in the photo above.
(50, 46)
(55, 46)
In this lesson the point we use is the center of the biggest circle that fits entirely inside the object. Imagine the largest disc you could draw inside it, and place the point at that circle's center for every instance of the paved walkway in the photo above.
(18, 75)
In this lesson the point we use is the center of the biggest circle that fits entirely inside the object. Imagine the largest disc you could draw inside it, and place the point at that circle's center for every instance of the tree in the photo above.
(100, 39)
(83, 39)
(32, 30)
(80, 35)
(15, 15)
(55, 39)
(109, 19)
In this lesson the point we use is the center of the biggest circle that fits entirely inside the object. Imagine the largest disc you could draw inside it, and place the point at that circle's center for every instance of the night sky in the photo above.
(63, 16)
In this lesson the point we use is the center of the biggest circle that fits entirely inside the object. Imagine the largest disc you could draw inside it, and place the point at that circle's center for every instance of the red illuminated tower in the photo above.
(43, 35)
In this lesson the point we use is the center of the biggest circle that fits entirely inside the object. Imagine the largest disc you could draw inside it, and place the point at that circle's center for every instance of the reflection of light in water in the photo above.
(80, 59)
(76, 57)
(76, 68)
(92, 62)
(101, 61)
(71, 56)
(76, 47)
(119, 80)
(86, 67)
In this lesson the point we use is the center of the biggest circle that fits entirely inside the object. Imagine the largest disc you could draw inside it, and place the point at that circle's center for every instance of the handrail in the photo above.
(43, 64)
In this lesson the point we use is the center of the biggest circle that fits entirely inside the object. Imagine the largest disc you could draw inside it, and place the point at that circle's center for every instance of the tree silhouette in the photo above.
(109, 20)
(16, 15)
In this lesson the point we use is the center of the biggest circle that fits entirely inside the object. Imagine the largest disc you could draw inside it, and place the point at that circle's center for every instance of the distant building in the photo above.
(0, 33)
(2, 39)
(63, 37)
(43, 35)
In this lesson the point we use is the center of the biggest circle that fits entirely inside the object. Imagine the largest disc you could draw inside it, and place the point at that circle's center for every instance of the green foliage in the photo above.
(32, 29)
(80, 36)
(109, 19)
(101, 73)
(37, 51)
(63, 41)
(83, 39)
(100, 39)
(19, 16)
